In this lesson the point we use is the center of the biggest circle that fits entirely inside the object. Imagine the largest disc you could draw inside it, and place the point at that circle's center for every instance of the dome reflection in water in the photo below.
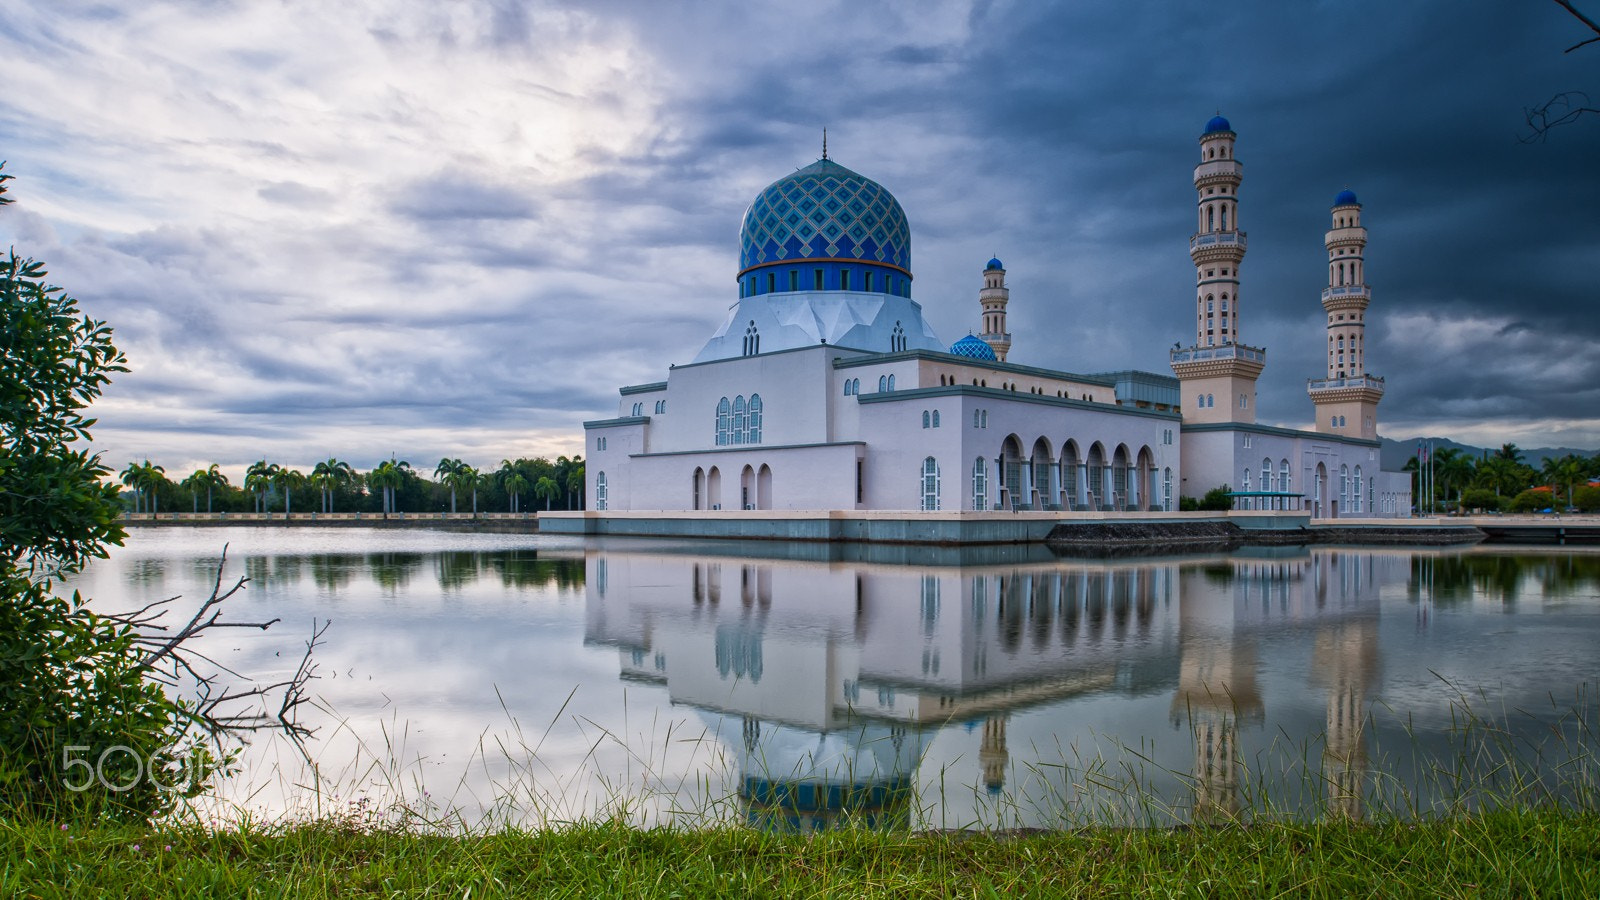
(801, 686)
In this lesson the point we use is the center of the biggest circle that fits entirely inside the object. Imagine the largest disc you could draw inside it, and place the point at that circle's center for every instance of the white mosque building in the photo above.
(825, 389)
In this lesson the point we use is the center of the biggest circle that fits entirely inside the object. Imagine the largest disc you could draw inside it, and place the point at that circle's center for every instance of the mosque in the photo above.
(825, 389)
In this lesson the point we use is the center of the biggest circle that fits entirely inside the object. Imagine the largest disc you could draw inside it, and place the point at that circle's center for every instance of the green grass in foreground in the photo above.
(1541, 853)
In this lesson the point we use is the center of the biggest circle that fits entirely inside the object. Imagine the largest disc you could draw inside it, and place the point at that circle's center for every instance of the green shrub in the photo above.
(1530, 501)
(1587, 498)
(1481, 498)
(1217, 500)
(73, 684)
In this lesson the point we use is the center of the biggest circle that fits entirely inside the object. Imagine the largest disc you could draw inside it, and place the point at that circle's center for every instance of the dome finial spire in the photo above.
(824, 142)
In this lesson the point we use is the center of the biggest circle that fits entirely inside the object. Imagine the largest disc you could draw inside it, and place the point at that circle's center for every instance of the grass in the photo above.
(1505, 853)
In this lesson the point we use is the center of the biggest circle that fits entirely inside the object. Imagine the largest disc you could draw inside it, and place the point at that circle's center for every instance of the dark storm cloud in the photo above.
(475, 241)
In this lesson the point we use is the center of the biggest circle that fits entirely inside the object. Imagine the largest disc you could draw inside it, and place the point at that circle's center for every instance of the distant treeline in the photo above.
(334, 485)
(1503, 481)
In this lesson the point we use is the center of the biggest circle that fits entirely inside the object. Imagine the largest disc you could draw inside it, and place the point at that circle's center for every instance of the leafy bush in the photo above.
(1188, 504)
(1217, 499)
(73, 684)
(1530, 501)
(1481, 498)
(1587, 499)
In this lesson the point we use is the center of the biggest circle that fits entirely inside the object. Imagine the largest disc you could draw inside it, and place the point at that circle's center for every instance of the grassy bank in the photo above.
(1540, 853)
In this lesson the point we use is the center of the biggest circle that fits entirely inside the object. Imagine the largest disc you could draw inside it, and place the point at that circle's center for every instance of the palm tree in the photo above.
(1499, 474)
(575, 484)
(389, 474)
(548, 489)
(446, 468)
(1453, 469)
(257, 479)
(1510, 452)
(200, 478)
(132, 477)
(153, 477)
(515, 484)
(287, 480)
(464, 477)
(214, 479)
(1567, 471)
(329, 474)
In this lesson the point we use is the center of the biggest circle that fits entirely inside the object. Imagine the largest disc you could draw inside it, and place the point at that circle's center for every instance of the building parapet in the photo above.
(1221, 238)
(1226, 351)
(1351, 291)
(1329, 384)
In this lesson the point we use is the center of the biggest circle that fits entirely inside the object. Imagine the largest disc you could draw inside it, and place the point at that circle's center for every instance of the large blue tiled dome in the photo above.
(973, 347)
(825, 212)
(1346, 197)
(1217, 124)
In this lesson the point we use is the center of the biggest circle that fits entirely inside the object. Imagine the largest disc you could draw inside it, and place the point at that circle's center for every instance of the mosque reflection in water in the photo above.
(828, 680)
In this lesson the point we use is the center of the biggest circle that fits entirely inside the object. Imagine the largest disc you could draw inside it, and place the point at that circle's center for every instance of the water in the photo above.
(536, 679)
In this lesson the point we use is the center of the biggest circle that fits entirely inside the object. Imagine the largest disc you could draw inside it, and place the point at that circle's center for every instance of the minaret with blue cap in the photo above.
(1218, 373)
(1347, 399)
(993, 298)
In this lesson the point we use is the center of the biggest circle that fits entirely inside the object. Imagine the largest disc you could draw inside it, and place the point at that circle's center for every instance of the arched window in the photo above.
(1266, 474)
(724, 421)
(1245, 484)
(1211, 218)
(1344, 488)
(1211, 400)
(930, 484)
(891, 382)
(883, 383)
(936, 418)
(897, 341)
(600, 491)
(1166, 490)
(1283, 477)
(698, 485)
(974, 418)
(738, 419)
(847, 387)
(753, 421)
(1224, 217)
(926, 419)
(1355, 492)
(752, 340)
(980, 483)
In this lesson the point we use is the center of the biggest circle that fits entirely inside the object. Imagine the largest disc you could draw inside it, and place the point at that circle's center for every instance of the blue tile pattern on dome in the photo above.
(1217, 123)
(973, 347)
(1346, 197)
(825, 211)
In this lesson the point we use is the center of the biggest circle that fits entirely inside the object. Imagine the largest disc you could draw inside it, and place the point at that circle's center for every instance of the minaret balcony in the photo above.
(1226, 351)
(1347, 292)
(1217, 239)
(1358, 381)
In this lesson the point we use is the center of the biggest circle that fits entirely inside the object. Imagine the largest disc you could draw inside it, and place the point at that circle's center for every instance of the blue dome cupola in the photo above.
(1217, 124)
(825, 228)
(994, 263)
(1346, 197)
(973, 347)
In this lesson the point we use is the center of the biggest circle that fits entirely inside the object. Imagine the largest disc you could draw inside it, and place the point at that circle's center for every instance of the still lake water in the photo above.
(542, 679)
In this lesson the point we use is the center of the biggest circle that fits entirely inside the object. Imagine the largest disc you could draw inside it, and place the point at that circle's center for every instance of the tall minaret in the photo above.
(1347, 399)
(994, 297)
(1218, 373)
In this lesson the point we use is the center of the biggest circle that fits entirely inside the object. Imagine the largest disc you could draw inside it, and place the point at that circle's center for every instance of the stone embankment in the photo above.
(1201, 535)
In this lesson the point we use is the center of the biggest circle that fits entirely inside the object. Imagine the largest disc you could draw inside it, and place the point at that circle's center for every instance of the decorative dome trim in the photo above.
(825, 212)
(974, 347)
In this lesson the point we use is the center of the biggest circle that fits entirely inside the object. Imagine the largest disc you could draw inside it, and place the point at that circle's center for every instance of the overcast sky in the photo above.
(455, 228)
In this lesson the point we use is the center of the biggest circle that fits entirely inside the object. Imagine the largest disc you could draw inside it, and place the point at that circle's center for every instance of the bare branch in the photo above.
(1567, 5)
(1563, 108)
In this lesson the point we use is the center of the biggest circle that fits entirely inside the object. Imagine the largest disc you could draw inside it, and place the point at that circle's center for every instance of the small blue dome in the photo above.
(1217, 124)
(974, 347)
(1346, 197)
(994, 263)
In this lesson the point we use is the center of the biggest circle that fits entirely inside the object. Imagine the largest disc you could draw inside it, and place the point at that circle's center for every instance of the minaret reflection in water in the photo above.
(828, 681)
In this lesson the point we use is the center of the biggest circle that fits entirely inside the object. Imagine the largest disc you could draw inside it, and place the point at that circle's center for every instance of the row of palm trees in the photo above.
(335, 478)
(1505, 472)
